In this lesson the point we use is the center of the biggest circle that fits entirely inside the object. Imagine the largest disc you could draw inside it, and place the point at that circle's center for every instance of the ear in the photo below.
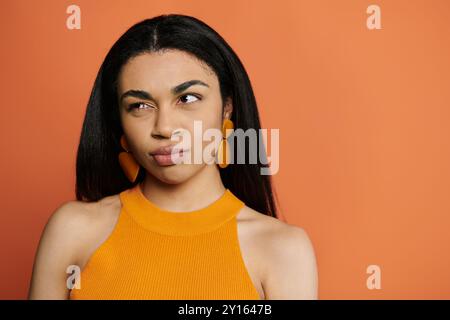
(227, 109)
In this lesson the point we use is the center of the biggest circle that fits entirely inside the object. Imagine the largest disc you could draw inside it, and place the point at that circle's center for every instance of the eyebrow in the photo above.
(141, 94)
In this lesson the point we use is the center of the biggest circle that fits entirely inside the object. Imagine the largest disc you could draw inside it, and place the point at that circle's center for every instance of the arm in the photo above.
(56, 251)
(293, 272)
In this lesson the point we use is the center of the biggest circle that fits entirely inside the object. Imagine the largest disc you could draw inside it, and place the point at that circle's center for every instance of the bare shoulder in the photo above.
(71, 234)
(86, 225)
(287, 255)
(273, 229)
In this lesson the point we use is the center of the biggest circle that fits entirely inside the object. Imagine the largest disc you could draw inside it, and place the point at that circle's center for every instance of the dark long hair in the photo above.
(98, 173)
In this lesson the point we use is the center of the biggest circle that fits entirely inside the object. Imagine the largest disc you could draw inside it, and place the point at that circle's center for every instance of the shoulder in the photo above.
(70, 234)
(288, 257)
(81, 225)
(68, 218)
(276, 231)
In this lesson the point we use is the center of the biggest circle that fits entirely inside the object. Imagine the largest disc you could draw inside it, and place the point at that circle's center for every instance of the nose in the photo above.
(163, 126)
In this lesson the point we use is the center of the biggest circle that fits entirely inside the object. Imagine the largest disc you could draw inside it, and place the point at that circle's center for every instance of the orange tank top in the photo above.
(158, 254)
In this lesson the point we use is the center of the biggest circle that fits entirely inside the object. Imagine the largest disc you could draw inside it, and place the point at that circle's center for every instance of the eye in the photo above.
(183, 99)
(138, 105)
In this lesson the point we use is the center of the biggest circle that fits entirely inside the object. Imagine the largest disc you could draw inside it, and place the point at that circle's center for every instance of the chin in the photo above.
(175, 174)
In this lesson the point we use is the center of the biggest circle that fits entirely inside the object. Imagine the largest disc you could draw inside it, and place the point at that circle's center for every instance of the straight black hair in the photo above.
(98, 173)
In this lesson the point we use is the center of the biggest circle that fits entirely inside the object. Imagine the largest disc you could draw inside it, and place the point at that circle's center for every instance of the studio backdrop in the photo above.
(359, 91)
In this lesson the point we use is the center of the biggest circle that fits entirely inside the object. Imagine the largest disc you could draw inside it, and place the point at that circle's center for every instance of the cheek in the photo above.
(199, 131)
(202, 122)
(137, 137)
(210, 114)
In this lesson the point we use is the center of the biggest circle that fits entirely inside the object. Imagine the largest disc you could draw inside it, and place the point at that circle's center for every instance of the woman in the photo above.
(146, 226)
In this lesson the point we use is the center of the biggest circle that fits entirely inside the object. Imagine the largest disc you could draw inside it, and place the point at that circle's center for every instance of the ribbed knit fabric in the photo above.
(158, 254)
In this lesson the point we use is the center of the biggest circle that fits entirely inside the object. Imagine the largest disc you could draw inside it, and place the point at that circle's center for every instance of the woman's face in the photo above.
(151, 108)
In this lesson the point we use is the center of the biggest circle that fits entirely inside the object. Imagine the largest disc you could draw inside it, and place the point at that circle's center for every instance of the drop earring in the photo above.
(127, 161)
(224, 146)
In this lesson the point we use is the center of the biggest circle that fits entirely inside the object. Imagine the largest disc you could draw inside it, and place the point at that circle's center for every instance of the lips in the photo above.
(167, 155)
(167, 150)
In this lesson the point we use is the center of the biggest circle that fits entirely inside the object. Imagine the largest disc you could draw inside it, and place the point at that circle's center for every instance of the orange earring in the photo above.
(224, 146)
(127, 161)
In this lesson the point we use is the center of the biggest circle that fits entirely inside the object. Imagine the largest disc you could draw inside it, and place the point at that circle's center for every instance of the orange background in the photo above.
(363, 115)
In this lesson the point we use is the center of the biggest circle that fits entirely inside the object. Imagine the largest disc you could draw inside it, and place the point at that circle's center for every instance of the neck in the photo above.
(195, 193)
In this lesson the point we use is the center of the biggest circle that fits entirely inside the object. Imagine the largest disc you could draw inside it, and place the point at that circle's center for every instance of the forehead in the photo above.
(163, 70)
